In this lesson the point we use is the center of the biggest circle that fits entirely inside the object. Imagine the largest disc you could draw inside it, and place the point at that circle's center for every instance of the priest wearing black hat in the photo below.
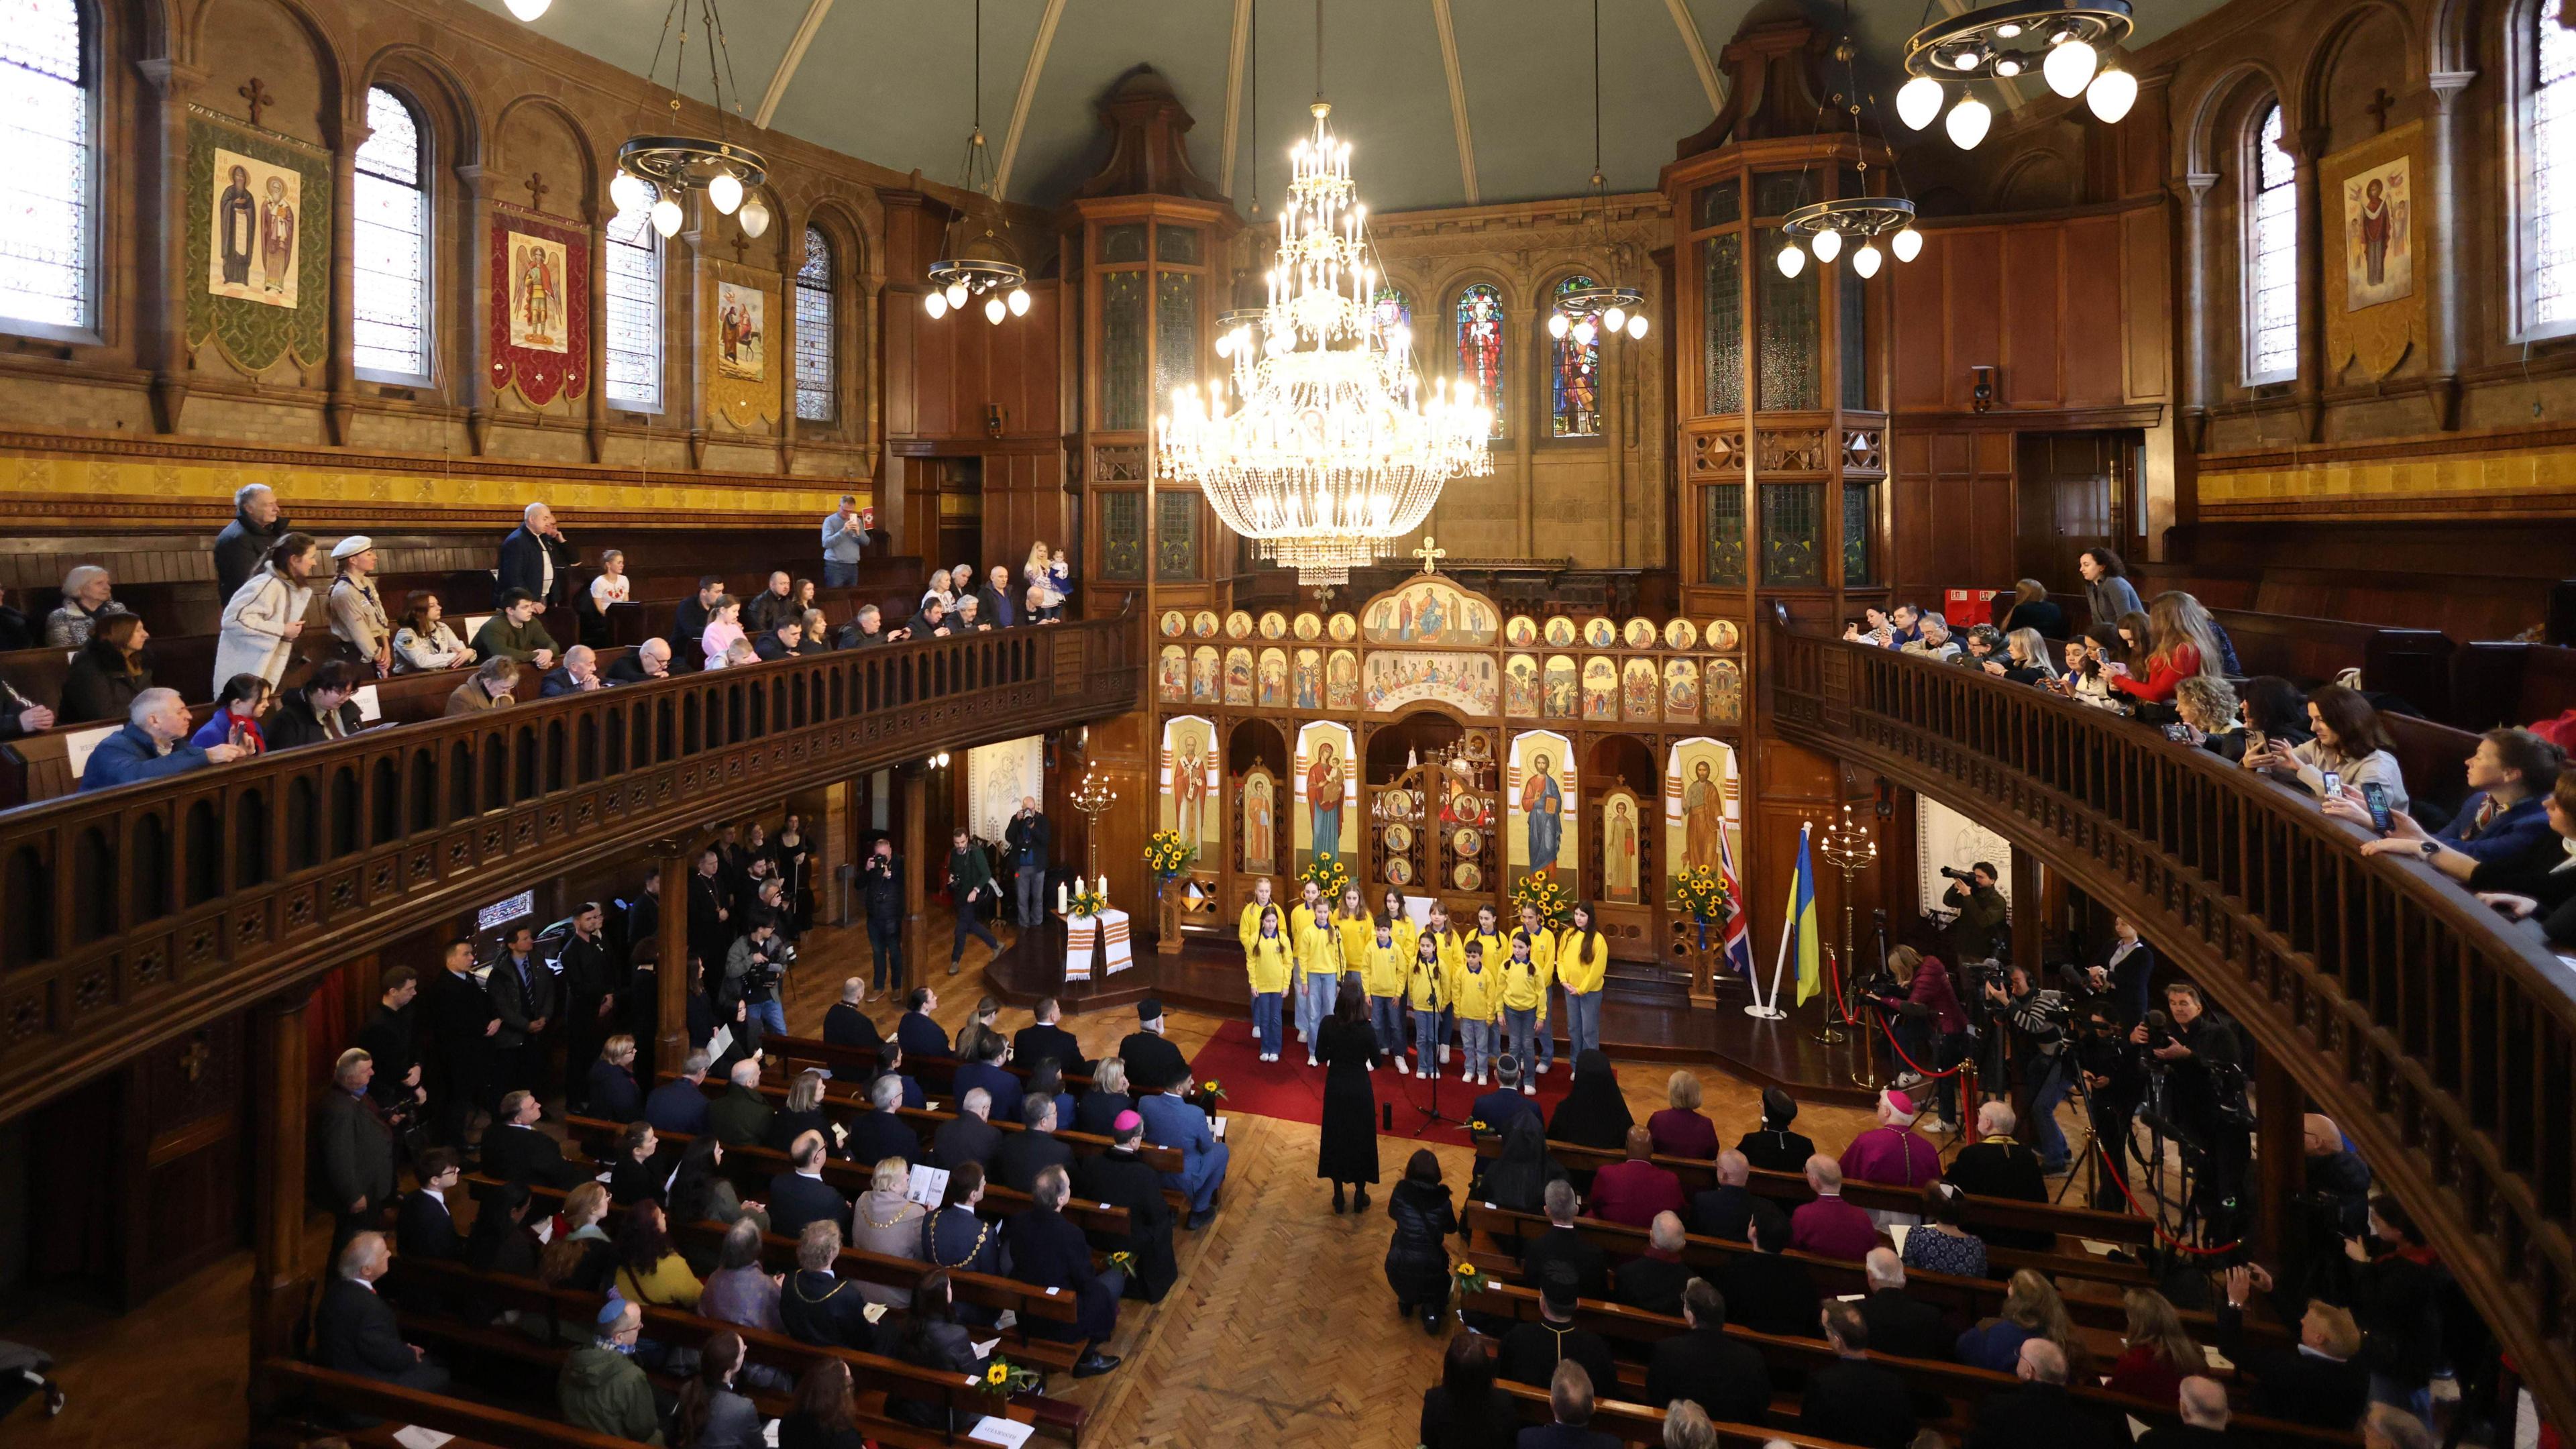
(1151, 1059)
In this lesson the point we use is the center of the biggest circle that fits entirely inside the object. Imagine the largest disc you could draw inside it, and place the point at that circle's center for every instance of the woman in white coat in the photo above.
(263, 618)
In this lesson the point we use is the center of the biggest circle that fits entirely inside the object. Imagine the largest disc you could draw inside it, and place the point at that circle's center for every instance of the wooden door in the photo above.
(2066, 494)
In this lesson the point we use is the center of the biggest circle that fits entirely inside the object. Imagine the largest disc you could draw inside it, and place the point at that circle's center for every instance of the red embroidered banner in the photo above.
(540, 306)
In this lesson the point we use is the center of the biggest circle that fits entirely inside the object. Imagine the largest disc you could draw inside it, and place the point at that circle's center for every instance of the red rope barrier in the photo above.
(2153, 1222)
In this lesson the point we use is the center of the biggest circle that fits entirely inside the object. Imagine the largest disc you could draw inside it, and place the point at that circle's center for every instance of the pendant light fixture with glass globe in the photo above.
(2067, 40)
(527, 10)
(979, 265)
(654, 172)
(1590, 312)
(1827, 229)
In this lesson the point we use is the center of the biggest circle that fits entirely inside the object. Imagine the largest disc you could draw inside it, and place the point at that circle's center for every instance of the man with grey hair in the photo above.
(651, 660)
(603, 1389)
(1829, 1225)
(878, 1133)
(741, 1116)
(535, 557)
(845, 535)
(680, 1105)
(2041, 1410)
(257, 525)
(354, 1331)
(578, 672)
(1653, 1281)
(1562, 1244)
(1996, 1166)
(353, 1151)
(1047, 1249)
(800, 1195)
(867, 629)
(1900, 1324)
(1728, 1209)
(820, 1306)
(151, 745)
(967, 1137)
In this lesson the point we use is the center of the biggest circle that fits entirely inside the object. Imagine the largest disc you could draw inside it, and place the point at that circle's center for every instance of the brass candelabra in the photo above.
(1091, 797)
(1848, 846)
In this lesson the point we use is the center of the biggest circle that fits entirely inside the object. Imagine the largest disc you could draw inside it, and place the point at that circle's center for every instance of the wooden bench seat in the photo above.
(795, 1053)
(2502, 682)
(842, 1102)
(2414, 664)
(284, 1388)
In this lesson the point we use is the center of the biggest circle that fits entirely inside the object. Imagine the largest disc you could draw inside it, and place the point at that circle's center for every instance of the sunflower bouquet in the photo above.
(1086, 902)
(1545, 894)
(1002, 1378)
(1212, 1091)
(1167, 854)
(1471, 1279)
(1702, 892)
(1327, 873)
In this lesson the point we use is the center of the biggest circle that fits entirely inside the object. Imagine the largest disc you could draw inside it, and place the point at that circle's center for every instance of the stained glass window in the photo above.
(818, 339)
(389, 292)
(1176, 536)
(1122, 535)
(1176, 244)
(1793, 533)
(1860, 505)
(1577, 376)
(1480, 348)
(1787, 337)
(1722, 322)
(45, 131)
(1391, 308)
(1176, 333)
(2271, 257)
(1720, 203)
(2550, 291)
(635, 312)
(1777, 193)
(1124, 243)
(1722, 524)
(1122, 349)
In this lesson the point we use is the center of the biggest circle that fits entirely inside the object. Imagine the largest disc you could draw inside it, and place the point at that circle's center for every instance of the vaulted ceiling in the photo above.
(1446, 102)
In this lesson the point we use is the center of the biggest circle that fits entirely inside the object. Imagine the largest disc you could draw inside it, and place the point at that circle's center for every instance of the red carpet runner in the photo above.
(1293, 1091)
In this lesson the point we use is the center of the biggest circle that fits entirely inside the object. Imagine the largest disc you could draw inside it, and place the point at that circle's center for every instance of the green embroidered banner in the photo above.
(259, 244)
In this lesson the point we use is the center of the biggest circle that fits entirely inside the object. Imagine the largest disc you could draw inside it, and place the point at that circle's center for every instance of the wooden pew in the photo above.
(750, 1169)
(2411, 663)
(1633, 1423)
(795, 1053)
(284, 1387)
(841, 1102)
(2433, 759)
(2508, 682)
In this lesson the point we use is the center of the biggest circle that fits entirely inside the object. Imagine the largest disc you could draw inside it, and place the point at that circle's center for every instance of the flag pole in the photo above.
(1788, 929)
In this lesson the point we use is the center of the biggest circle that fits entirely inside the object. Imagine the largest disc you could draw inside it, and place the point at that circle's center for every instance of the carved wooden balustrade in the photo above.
(134, 914)
(2441, 1039)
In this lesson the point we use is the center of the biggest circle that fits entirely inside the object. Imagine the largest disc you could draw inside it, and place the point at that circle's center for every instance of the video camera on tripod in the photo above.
(769, 963)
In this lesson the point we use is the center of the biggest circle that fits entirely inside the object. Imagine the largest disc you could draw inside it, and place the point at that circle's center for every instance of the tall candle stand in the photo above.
(1847, 846)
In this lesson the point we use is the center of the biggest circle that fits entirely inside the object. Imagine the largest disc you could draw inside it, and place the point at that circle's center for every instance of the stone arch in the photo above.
(540, 134)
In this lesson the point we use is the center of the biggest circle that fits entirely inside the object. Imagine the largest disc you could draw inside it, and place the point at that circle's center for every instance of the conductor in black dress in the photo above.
(1347, 1046)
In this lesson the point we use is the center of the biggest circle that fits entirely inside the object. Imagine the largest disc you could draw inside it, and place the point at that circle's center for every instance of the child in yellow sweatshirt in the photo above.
(1524, 1002)
(1542, 952)
(1582, 962)
(1383, 979)
(1426, 992)
(1270, 962)
(1478, 1002)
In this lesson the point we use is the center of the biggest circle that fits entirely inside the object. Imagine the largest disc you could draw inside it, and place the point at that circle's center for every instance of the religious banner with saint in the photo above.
(540, 306)
(1190, 781)
(2374, 310)
(1622, 849)
(258, 243)
(1537, 796)
(1703, 801)
(1328, 793)
(742, 388)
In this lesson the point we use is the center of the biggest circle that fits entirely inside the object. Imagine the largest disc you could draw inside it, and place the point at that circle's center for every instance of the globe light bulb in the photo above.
(1585, 332)
(1963, 60)
(936, 304)
(666, 217)
(2111, 94)
(1558, 325)
(1615, 319)
(1907, 244)
(529, 9)
(1019, 300)
(1865, 261)
(2008, 30)
(1225, 344)
(1827, 245)
(1793, 260)
(994, 311)
(1918, 101)
(627, 191)
(726, 192)
(1968, 122)
(2069, 67)
(957, 294)
(2007, 67)
(754, 217)
(1637, 327)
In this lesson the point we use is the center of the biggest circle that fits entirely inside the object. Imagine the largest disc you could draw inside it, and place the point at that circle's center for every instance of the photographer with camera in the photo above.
(2112, 1075)
(753, 972)
(1982, 914)
(1930, 1026)
(2197, 1052)
(2035, 1024)
(2120, 972)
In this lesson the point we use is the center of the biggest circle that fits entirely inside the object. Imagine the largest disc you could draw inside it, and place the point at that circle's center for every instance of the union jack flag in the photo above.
(1738, 930)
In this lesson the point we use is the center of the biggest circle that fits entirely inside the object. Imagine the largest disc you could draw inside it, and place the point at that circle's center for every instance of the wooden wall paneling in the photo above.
(1913, 523)
(899, 362)
(1793, 785)
(184, 1144)
(2031, 299)
(1990, 509)
(1974, 266)
(2094, 359)
(1920, 316)
(2146, 304)
(937, 358)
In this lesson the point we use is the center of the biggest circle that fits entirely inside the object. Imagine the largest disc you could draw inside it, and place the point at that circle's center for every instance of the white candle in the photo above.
(1104, 887)
(1059, 898)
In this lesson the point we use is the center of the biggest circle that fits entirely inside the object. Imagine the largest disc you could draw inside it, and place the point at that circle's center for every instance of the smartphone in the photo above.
(2375, 795)
(2255, 742)
(2334, 784)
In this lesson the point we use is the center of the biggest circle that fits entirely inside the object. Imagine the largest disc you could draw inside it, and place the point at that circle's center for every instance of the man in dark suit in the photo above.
(1042, 1039)
(354, 1331)
(1020, 1156)
(1852, 1399)
(1497, 1108)
(680, 1105)
(2041, 1411)
(918, 1035)
(536, 557)
(817, 1306)
(968, 1136)
(392, 1037)
(1770, 1291)
(1562, 1244)
(1726, 1210)
(881, 900)
(588, 980)
(2205, 1416)
(1151, 1059)
(1906, 1327)
(1653, 1281)
(1726, 1378)
(689, 625)
(877, 1134)
(423, 1224)
(1001, 1085)
(523, 994)
(800, 1195)
(461, 1025)
(2320, 1382)
(1569, 1401)
(741, 1117)
(1048, 1250)
(1996, 1166)
(353, 1153)
(844, 1024)
(643, 920)
(1530, 1352)
(1122, 1178)
(515, 1151)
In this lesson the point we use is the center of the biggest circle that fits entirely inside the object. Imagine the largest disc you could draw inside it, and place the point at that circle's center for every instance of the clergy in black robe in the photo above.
(1121, 1178)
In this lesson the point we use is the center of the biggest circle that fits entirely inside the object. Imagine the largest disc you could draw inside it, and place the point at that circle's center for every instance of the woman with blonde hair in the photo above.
(886, 1221)
(2207, 703)
(2031, 1310)
(2026, 659)
(2179, 647)
(2158, 1355)
(1681, 1129)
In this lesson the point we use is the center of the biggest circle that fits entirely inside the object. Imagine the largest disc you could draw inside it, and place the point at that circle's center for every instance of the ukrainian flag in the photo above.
(1802, 920)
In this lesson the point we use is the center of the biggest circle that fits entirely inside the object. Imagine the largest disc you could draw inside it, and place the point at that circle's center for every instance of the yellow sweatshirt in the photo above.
(1358, 937)
(1498, 948)
(1542, 953)
(1270, 962)
(1406, 933)
(1453, 959)
(1480, 995)
(1524, 986)
(1426, 983)
(1579, 971)
(1319, 947)
(1250, 925)
(1385, 969)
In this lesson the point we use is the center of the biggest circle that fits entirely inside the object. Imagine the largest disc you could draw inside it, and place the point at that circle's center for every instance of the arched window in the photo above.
(818, 341)
(45, 127)
(390, 284)
(1391, 308)
(2271, 255)
(635, 312)
(2548, 281)
(1575, 399)
(1480, 348)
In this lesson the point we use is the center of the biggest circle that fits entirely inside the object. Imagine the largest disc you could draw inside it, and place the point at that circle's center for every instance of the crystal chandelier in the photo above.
(2064, 38)
(655, 171)
(1333, 447)
(979, 266)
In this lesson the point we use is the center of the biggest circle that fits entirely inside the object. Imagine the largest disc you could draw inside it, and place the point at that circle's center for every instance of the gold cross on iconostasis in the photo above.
(1429, 555)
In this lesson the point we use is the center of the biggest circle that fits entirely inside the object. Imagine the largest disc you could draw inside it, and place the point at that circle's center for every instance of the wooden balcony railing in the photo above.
(131, 915)
(2440, 1037)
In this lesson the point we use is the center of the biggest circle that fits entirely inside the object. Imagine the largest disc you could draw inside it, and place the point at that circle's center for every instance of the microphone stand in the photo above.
(1433, 1113)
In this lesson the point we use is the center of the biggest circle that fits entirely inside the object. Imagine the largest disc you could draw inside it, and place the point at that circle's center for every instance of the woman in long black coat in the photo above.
(1348, 1048)
(1417, 1259)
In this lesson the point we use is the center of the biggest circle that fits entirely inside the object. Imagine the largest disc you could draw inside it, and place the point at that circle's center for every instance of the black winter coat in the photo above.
(1417, 1258)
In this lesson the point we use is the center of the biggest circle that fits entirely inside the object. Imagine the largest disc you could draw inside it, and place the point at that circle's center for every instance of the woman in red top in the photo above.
(2159, 1355)
(2176, 650)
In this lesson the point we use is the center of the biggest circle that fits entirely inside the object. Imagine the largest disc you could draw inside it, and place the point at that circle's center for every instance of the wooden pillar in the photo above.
(281, 1079)
(917, 865)
(2029, 911)
(832, 845)
(671, 977)
(2281, 1162)
(342, 409)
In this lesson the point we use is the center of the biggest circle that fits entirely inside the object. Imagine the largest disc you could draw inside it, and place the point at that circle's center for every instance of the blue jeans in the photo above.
(1386, 1013)
(1426, 1040)
(771, 1016)
(1320, 990)
(1521, 1029)
(885, 940)
(1199, 1178)
(970, 924)
(1265, 1021)
(1545, 1040)
(1476, 1042)
(2056, 1079)
(838, 575)
(1582, 1022)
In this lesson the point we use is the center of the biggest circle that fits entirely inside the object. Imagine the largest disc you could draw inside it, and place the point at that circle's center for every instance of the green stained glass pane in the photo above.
(1793, 530)
(1722, 509)
(1777, 193)
(1722, 323)
(1122, 536)
(1787, 336)
(1720, 203)
(1851, 296)
(1176, 244)
(1123, 243)
(1176, 334)
(1176, 537)
(1860, 505)
(1123, 403)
